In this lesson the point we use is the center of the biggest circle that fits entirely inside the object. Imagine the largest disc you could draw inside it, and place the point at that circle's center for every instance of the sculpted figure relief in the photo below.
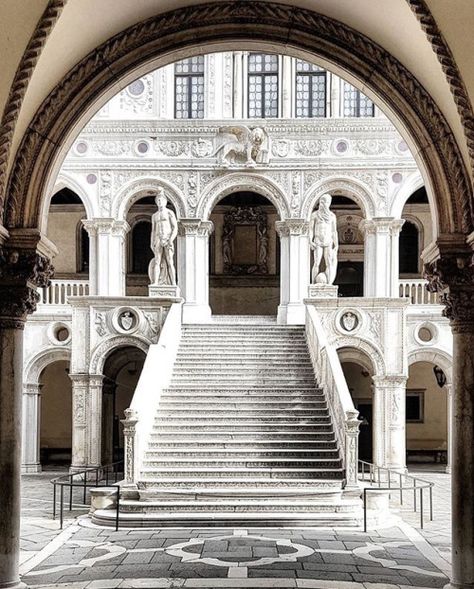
(324, 242)
(241, 146)
(163, 234)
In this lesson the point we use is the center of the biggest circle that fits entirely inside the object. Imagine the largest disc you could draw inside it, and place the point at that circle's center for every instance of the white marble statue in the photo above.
(164, 229)
(324, 241)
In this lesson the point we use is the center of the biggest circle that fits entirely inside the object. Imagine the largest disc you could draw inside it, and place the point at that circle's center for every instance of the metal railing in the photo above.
(58, 291)
(416, 290)
(391, 479)
(99, 476)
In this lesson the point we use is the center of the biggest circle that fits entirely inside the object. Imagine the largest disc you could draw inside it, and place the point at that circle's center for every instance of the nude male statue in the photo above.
(164, 229)
(324, 242)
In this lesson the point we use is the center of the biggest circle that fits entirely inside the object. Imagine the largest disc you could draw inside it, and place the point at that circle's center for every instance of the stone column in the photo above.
(95, 420)
(449, 268)
(193, 269)
(130, 446)
(449, 407)
(238, 85)
(294, 270)
(107, 269)
(31, 428)
(287, 87)
(23, 267)
(389, 433)
(381, 273)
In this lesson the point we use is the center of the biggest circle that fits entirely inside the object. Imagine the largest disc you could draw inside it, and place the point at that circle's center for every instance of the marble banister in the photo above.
(328, 371)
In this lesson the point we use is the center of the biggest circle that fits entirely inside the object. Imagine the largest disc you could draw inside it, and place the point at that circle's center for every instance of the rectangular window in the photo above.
(310, 90)
(356, 104)
(262, 86)
(189, 88)
(415, 405)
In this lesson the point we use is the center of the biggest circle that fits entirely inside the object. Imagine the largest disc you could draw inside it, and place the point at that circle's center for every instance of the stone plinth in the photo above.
(163, 291)
(322, 291)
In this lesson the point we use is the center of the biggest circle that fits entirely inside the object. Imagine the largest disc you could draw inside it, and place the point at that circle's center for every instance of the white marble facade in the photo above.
(134, 146)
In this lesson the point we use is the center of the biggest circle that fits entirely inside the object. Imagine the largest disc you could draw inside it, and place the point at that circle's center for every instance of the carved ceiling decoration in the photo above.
(224, 21)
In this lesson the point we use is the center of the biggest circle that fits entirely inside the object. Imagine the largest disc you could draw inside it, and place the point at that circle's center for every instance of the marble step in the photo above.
(221, 362)
(323, 434)
(244, 472)
(243, 428)
(319, 490)
(241, 392)
(157, 444)
(241, 406)
(243, 485)
(243, 507)
(241, 453)
(236, 396)
(248, 371)
(248, 463)
(179, 412)
(249, 381)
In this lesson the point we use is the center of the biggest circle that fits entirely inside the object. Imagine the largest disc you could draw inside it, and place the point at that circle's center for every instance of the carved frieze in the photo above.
(245, 216)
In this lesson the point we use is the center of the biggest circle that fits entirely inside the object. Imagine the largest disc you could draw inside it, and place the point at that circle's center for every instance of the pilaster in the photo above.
(294, 269)
(31, 428)
(193, 268)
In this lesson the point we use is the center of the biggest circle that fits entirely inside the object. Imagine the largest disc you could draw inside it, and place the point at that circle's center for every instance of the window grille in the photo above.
(262, 85)
(189, 88)
(310, 90)
(356, 104)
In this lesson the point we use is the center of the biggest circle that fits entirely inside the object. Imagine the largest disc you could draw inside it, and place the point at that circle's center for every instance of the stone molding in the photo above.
(21, 272)
(450, 69)
(20, 83)
(217, 22)
(195, 227)
(381, 225)
(101, 225)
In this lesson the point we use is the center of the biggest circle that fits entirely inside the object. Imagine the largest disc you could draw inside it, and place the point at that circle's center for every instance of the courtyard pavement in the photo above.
(83, 556)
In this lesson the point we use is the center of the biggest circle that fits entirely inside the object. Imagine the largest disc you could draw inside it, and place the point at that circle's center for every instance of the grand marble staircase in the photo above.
(242, 436)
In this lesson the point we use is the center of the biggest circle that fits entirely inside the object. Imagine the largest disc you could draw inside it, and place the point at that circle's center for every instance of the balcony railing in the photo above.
(416, 290)
(59, 291)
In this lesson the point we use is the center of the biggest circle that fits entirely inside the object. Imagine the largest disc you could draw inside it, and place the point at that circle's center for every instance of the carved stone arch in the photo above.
(298, 32)
(140, 187)
(36, 364)
(368, 348)
(349, 187)
(102, 351)
(434, 356)
(236, 182)
(64, 180)
(408, 187)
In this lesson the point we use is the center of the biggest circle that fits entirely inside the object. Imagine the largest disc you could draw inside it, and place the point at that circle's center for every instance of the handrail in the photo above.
(154, 378)
(416, 290)
(88, 478)
(328, 370)
(418, 485)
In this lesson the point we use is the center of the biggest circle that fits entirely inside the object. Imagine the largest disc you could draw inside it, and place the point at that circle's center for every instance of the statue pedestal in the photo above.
(322, 291)
(164, 291)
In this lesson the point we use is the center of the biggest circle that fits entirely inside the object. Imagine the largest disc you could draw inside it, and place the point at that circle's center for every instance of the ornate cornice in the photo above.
(21, 272)
(225, 21)
(195, 227)
(450, 69)
(20, 84)
(292, 227)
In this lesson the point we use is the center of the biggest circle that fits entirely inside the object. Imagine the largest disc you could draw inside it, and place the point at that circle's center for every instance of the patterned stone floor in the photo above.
(86, 557)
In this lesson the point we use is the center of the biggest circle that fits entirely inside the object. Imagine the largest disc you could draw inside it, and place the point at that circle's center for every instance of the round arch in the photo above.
(64, 180)
(363, 349)
(409, 186)
(357, 356)
(138, 188)
(434, 356)
(341, 186)
(41, 360)
(103, 350)
(237, 182)
(217, 26)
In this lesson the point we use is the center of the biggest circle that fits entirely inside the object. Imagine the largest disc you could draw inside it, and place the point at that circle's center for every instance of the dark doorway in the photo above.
(350, 279)
(365, 432)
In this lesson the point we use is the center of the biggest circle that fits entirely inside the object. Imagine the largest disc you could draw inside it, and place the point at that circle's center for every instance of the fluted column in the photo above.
(381, 266)
(22, 268)
(294, 269)
(450, 270)
(31, 428)
(107, 269)
(193, 268)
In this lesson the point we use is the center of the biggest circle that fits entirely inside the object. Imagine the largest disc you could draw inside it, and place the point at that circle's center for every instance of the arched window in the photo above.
(141, 251)
(409, 254)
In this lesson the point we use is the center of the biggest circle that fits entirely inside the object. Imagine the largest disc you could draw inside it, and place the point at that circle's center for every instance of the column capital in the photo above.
(31, 388)
(105, 225)
(449, 269)
(389, 225)
(390, 380)
(289, 227)
(197, 227)
(22, 270)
